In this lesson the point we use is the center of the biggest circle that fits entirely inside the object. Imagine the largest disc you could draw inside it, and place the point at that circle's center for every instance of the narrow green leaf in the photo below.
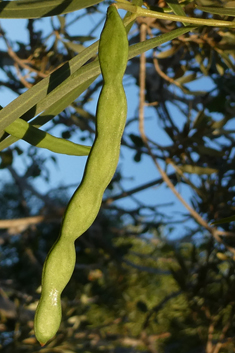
(75, 47)
(23, 130)
(36, 9)
(78, 78)
(80, 39)
(218, 10)
(187, 78)
(209, 151)
(225, 220)
(168, 52)
(37, 99)
(201, 120)
(142, 47)
(176, 8)
(85, 73)
(51, 112)
(192, 93)
(192, 169)
(227, 61)
(62, 22)
(30, 98)
(220, 123)
(129, 15)
(59, 105)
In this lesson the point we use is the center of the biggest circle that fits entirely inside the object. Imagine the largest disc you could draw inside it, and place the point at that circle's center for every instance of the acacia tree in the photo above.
(132, 285)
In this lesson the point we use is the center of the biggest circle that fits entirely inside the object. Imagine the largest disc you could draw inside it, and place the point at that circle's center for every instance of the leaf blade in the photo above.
(225, 220)
(37, 9)
(26, 101)
(23, 130)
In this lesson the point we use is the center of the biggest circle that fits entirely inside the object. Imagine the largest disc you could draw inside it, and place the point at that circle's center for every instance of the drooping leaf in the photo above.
(52, 111)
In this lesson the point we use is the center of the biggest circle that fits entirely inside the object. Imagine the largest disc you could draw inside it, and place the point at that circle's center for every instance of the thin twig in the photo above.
(25, 222)
(163, 75)
(142, 79)
(222, 337)
(151, 270)
(21, 62)
(209, 344)
(21, 77)
(179, 171)
(123, 194)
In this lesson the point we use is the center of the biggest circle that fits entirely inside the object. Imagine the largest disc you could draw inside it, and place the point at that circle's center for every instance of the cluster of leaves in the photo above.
(133, 288)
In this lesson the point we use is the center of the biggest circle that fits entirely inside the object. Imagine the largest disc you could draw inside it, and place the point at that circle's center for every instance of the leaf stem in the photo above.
(141, 12)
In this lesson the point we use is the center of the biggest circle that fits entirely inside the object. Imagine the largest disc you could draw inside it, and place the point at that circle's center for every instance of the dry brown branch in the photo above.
(142, 79)
(219, 345)
(22, 78)
(163, 75)
(179, 171)
(20, 224)
(209, 344)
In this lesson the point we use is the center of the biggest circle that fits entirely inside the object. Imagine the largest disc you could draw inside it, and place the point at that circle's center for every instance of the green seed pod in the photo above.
(57, 271)
(100, 168)
(113, 69)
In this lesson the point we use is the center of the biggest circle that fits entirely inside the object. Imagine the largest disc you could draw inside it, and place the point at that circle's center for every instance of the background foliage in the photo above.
(135, 288)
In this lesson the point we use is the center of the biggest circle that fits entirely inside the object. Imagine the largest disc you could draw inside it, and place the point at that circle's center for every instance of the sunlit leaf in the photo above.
(73, 46)
(192, 169)
(187, 78)
(168, 52)
(28, 101)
